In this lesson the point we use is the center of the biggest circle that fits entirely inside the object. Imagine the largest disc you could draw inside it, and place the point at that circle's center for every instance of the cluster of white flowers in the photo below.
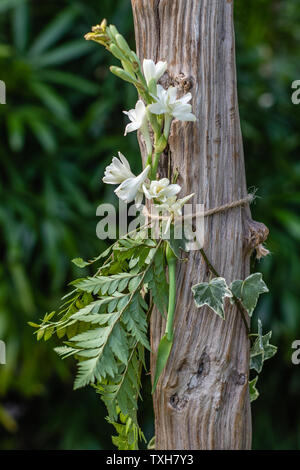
(164, 103)
(133, 188)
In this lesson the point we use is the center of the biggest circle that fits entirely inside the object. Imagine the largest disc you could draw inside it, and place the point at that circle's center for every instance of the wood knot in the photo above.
(256, 233)
(183, 82)
(237, 378)
(178, 403)
(202, 371)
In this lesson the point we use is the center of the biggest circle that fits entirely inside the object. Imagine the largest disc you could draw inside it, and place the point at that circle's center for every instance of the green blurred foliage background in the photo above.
(60, 127)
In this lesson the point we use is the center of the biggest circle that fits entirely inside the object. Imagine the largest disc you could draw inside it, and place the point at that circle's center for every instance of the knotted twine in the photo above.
(261, 251)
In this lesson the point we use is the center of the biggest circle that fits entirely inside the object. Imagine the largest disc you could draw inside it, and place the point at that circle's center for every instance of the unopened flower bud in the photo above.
(117, 52)
(123, 45)
(103, 24)
(122, 74)
(113, 30)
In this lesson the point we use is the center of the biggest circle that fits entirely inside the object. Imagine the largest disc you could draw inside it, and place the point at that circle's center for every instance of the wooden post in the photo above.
(202, 400)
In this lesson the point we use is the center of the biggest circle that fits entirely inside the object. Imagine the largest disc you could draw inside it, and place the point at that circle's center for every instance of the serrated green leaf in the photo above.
(119, 345)
(107, 284)
(157, 282)
(212, 294)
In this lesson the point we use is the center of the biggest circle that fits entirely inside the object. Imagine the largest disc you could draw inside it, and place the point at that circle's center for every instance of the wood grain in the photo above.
(202, 400)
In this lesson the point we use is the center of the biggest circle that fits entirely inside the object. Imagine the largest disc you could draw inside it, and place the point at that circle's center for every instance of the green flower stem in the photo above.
(149, 160)
(171, 259)
(166, 342)
(155, 165)
(141, 78)
(153, 119)
(167, 127)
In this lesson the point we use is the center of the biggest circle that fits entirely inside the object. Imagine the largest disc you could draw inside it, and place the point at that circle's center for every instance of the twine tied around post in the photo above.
(261, 251)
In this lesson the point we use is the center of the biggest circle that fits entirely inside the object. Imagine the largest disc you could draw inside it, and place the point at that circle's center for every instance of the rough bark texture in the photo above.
(202, 399)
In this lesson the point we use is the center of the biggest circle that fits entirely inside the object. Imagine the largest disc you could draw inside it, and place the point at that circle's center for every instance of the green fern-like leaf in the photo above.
(105, 323)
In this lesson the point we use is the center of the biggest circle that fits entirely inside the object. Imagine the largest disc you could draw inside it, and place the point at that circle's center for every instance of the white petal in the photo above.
(124, 160)
(147, 192)
(143, 176)
(149, 69)
(182, 108)
(139, 199)
(157, 108)
(127, 190)
(186, 98)
(140, 111)
(118, 168)
(117, 171)
(109, 179)
(185, 117)
(133, 126)
(168, 225)
(172, 94)
(185, 199)
(115, 164)
(131, 114)
(160, 69)
(171, 190)
(164, 182)
(161, 93)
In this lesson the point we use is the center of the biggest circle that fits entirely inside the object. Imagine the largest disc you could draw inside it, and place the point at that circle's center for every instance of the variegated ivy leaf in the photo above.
(249, 290)
(261, 350)
(254, 393)
(212, 294)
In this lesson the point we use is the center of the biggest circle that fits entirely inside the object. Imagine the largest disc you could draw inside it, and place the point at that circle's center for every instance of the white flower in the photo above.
(161, 190)
(153, 71)
(131, 188)
(167, 103)
(118, 171)
(137, 116)
(174, 207)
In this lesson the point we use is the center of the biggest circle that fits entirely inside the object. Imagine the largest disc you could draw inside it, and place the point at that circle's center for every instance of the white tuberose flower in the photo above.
(130, 186)
(118, 171)
(153, 71)
(130, 189)
(174, 207)
(161, 190)
(167, 103)
(137, 116)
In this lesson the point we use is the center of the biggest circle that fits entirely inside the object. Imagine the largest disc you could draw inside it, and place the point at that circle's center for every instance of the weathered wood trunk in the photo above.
(202, 399)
